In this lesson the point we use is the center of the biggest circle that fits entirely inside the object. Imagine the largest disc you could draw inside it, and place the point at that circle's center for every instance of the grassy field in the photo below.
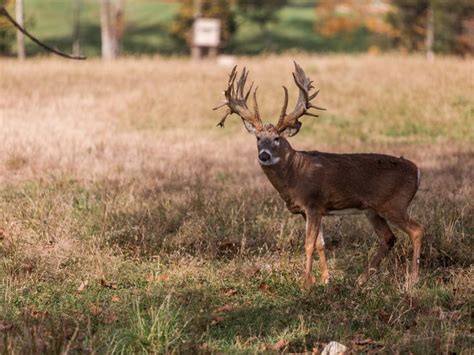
(148, 23)
(130, 223)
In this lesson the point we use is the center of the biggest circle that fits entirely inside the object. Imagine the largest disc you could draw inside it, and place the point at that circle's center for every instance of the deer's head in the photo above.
(271, 140)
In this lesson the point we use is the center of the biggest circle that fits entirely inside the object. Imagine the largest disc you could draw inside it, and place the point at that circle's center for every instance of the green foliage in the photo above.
(7, 32)
(181, 27)
(260, 12)
(452, 21)
(451, 24)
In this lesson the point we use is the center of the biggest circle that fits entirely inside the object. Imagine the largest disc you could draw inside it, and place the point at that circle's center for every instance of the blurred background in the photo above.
(247, 27)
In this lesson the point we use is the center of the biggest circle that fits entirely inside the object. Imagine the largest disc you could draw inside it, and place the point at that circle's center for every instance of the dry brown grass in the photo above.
(116, 171)
(94, 120)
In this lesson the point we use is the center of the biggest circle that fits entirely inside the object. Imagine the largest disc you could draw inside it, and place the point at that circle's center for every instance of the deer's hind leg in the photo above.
(387, 241)
(415, 231)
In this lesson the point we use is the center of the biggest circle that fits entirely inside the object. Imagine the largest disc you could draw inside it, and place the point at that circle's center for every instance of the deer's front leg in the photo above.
(313, 227)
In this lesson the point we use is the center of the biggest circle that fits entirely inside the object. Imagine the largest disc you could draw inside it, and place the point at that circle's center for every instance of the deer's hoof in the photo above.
(309, 281)
(325, 279)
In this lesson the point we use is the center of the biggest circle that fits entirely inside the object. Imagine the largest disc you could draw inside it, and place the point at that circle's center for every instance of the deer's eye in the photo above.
(276, 140)
(258, 139)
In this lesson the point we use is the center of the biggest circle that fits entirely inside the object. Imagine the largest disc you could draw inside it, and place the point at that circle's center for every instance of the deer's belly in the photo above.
(345, 212)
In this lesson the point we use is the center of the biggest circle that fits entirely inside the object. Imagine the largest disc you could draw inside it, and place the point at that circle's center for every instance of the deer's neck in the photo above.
(281, 176)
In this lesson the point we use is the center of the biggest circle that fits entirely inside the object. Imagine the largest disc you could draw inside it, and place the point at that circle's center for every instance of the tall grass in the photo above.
(157, 330)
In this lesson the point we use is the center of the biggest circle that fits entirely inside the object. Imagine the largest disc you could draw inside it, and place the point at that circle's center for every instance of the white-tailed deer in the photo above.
(316, 184)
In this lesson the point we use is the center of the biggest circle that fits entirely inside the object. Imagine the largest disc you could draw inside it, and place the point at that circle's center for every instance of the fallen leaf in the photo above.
(264, 287)
(362, 341)
(82, 286)
(318, 347)
(217, 319)
(2, 233)
(164, 277)
(251, 271)
(115, 299)
(230, 292)
(110, 318)
(95, 310)
(35, 314)
(225, 308)
(4, 327)
(157, 278)
(280, 344)
(204, 347)
(107, 284)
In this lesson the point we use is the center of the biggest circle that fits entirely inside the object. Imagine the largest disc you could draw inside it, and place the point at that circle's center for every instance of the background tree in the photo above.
(346, 17)
(76, 26)
(181, 27)
(7, 32)
(112, 27)
(261, 12)
(451, 29)
(20, 37)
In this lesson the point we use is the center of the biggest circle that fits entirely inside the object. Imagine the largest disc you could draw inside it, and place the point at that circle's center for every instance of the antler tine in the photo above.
(284, 107)
(221, 122)
(304, 84)
(241, 82)
(236, 101)
(248, 92)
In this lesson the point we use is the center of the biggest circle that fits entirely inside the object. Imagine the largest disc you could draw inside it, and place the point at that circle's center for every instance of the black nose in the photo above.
(264, 156)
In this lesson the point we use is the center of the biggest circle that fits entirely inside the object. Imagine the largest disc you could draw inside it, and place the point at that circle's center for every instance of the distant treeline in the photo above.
(112, 27)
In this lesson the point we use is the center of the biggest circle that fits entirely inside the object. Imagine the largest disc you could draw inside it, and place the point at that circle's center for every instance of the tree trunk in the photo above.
(118, 11)
(20, 37)
(112, 27)
(106, 37)
(76, 44)
(429, 40)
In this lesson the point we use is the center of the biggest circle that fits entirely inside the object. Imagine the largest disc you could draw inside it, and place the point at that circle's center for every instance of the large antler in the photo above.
(236, 101)
(303, 104)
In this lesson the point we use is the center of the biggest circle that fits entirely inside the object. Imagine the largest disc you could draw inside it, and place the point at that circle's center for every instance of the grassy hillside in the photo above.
(130, 223)
(147, 24)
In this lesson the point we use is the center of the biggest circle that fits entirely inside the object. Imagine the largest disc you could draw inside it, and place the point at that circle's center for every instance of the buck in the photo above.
(316, 184)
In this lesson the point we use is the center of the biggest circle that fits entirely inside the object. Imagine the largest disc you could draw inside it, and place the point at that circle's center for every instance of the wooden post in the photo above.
(212, 52)
(20, 37)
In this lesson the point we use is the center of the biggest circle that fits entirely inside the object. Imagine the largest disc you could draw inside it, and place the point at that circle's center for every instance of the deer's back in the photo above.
(359, 180)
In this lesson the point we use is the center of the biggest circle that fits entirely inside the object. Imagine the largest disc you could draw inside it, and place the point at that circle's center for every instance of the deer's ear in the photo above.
(291, 131)
(250, 127)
